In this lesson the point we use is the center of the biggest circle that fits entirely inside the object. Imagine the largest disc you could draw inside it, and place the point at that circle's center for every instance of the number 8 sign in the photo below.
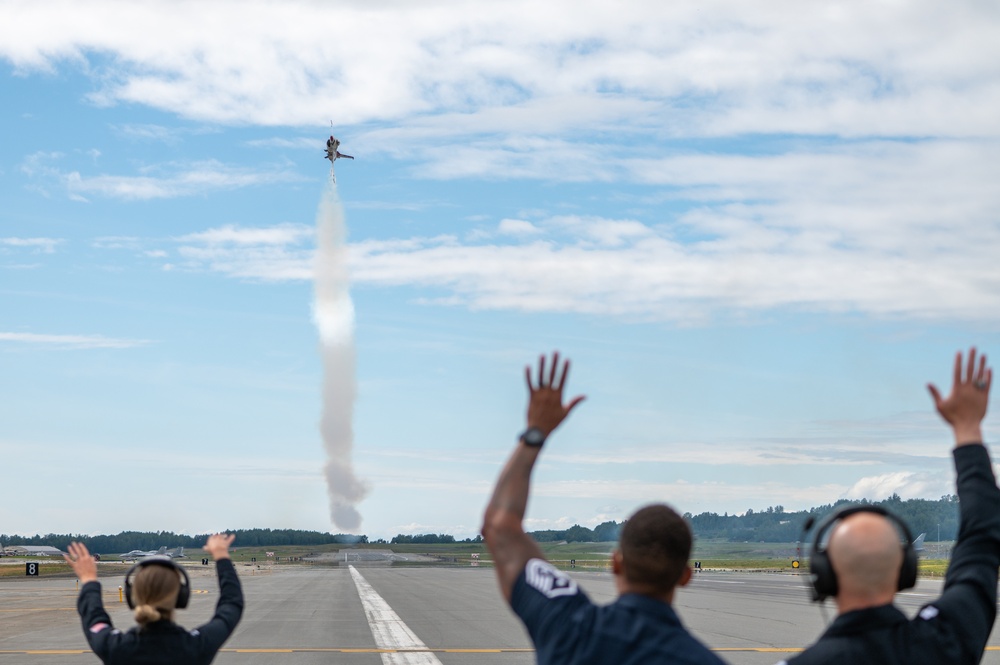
(31, 569)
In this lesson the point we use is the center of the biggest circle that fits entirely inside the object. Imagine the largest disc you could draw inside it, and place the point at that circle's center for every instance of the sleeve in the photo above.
(228, 610)
(550, 604)
(97, 627)
(970, 589)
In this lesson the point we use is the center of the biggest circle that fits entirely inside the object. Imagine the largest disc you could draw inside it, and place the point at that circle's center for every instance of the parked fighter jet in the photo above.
(333, 154)
(135, 555)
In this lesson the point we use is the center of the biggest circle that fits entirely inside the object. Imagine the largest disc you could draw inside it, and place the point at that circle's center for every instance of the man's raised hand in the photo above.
(545, 404)
(965, 408)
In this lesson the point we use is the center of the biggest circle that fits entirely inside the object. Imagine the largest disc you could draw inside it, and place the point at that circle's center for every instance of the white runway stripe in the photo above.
(388, 629)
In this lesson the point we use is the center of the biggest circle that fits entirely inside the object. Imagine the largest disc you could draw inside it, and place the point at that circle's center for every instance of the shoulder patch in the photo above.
(549, 580)
(98, 627)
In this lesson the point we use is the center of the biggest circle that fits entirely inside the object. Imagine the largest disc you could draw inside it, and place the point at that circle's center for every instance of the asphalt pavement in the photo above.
(416, 616)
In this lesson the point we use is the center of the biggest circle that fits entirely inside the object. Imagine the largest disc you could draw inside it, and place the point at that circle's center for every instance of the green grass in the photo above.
(47, 567)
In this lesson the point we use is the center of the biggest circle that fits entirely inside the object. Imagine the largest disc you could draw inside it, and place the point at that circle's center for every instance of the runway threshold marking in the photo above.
(399, 644)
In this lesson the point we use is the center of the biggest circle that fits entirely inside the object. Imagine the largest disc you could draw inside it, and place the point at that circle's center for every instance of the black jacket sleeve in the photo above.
(228, 610)
(97, 627)
(970, 587)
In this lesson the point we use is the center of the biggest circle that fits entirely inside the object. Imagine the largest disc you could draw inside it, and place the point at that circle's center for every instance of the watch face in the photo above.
(533, 437)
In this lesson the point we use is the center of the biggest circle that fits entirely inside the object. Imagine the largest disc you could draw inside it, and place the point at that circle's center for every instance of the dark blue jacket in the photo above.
(567, 627)
(162, 642)
(954, 628)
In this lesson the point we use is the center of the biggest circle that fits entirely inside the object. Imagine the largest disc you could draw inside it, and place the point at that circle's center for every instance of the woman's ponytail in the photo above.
(146, 614)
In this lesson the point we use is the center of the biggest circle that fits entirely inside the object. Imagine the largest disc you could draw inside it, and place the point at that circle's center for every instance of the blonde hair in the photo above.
(155, 592)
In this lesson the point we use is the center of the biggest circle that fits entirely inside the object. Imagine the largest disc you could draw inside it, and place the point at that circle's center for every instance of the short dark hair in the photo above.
(655, 544)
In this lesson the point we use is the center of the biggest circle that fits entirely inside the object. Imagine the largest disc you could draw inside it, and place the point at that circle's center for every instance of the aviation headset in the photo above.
(823, 579)
(183, 594)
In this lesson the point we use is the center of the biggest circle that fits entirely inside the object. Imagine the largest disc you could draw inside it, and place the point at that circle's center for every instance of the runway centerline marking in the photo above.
(401, 645)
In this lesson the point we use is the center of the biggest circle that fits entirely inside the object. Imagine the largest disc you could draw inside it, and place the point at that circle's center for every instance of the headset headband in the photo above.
(183, 594)
(822, 577)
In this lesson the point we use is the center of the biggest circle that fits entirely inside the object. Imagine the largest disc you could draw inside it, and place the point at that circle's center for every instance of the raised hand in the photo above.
(965, 408)
(545, 405)
(81, 561)
(218, 545)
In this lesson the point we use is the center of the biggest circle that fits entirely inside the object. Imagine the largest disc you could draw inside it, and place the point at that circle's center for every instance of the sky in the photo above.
(757, 230)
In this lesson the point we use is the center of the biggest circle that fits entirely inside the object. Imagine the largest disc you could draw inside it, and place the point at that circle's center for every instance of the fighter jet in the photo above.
(333, 154)
(135, 555)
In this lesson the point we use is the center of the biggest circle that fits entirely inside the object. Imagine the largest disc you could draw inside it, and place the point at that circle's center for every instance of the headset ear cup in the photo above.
(128, 586)
(184, 594)
(821, 575)
(908, 571)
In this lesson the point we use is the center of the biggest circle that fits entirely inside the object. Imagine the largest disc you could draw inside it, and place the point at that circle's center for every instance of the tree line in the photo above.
(938, 519)
(126, 541)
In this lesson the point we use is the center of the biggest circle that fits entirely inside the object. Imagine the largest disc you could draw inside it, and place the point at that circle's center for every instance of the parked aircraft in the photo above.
(135, 555)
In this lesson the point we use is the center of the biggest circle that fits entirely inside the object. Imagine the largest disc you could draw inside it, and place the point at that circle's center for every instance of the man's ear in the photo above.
(616, 562)
(685, 577)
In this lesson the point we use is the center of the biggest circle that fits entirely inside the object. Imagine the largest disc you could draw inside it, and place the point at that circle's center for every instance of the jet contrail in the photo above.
(333, 313)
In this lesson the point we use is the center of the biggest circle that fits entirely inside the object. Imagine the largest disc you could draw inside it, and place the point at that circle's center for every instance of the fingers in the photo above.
(956, 378)
(935, 395)
(562, 379)
(971, 372)
(553, 379)
(573, 402)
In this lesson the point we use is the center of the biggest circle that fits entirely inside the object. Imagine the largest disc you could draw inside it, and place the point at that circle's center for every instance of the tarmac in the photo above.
(367, 613)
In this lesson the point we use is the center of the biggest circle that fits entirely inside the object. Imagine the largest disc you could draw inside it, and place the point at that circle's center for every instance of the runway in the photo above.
(416, 616)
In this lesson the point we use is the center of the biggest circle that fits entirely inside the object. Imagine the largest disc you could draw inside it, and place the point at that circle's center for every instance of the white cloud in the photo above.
(517, 227)
(70, 341)
(41, 245)
(186, 180)
(890, 229)
(907, 484)
(282, 234)
(916, 68)
(155, 182)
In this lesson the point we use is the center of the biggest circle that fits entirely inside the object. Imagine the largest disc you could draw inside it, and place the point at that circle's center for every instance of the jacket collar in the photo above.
(870, 618)
(648, 605)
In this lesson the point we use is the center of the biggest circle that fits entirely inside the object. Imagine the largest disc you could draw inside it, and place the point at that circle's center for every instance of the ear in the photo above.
(685, 577)
(616, 562)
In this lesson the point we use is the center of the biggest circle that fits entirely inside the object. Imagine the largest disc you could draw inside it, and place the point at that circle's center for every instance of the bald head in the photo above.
(866, 554)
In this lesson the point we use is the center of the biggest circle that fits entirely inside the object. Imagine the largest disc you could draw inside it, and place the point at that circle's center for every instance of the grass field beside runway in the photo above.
(712, 555)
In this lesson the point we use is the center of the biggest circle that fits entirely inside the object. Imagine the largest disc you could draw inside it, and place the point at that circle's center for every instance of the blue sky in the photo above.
(757, 232)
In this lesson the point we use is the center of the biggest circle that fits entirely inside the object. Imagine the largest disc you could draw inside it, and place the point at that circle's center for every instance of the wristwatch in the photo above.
(533, 437)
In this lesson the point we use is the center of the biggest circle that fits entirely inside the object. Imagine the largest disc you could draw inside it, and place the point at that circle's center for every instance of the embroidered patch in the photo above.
(548, 579)
(98, 627)
(928, 613)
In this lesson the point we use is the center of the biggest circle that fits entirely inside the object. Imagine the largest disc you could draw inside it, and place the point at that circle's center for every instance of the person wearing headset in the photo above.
(859, 558)
(154, 588)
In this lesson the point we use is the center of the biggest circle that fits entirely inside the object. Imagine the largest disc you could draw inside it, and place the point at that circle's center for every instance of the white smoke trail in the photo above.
(333, 313)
